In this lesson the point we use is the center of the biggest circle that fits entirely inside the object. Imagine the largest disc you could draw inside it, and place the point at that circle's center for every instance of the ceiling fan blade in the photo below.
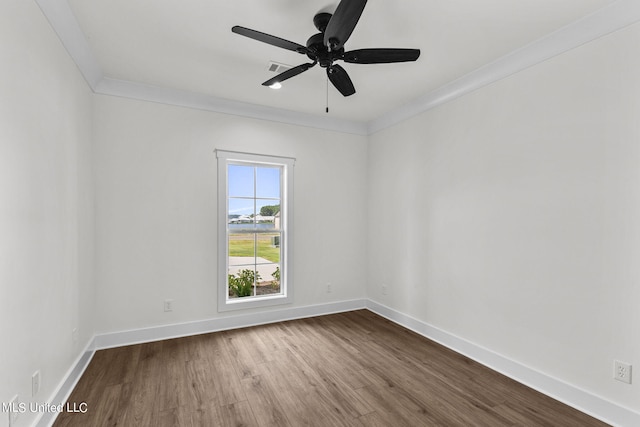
(342, 23)
(291, 72)
(341, 80)
(269, 39)
(381, 56)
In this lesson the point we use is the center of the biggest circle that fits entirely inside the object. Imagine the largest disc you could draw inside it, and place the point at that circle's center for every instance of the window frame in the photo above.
(226, 158)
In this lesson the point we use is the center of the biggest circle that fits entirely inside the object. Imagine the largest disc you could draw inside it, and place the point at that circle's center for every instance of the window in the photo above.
(254, 230)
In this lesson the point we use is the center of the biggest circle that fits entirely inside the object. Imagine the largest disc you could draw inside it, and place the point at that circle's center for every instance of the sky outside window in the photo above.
(249, 182)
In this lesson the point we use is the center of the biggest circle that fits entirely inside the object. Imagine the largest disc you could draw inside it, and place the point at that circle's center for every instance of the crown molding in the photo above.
(65, 25)
(163, 95)
(611, 18)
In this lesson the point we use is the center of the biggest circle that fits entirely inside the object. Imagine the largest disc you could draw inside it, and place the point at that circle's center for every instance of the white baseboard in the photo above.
(66, 386)
(137, 336)
(157, 333)
(583, 401)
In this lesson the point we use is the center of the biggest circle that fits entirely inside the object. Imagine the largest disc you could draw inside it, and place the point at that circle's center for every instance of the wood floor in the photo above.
(349, 369)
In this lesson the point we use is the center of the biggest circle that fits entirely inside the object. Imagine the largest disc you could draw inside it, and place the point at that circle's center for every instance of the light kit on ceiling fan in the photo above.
(327, 47)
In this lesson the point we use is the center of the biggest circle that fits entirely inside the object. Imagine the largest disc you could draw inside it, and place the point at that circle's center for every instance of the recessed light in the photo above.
(276, 85)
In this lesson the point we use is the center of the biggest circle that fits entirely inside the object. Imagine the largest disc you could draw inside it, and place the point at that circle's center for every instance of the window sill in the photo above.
(253, 302)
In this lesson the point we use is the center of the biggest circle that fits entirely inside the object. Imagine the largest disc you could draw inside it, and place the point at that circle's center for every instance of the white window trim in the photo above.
(286, 218)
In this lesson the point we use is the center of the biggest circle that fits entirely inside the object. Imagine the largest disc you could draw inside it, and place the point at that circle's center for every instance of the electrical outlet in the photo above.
(168, 305)
(384, 289)
(622, 371)
(35, 383)
(329, 289)
(14, 410)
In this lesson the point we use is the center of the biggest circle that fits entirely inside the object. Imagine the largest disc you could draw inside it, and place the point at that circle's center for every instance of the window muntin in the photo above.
(254, 226)
(253, 235)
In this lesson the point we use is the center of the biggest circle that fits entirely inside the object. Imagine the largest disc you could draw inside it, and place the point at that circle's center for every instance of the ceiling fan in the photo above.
(327, 47)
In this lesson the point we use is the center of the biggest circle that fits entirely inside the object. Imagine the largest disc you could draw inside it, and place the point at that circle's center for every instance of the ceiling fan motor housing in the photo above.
(321, 20)
(327, 47)
(319, 52)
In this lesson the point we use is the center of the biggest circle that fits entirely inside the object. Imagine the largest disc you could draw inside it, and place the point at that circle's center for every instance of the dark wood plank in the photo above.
(266, 403)
(348, 369)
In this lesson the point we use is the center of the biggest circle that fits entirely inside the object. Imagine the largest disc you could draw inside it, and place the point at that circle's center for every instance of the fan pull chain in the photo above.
(327, 94)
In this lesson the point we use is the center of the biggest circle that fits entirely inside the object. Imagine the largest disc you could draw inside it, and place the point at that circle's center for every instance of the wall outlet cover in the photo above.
(622, 371)
(14, 410)
(35, 383)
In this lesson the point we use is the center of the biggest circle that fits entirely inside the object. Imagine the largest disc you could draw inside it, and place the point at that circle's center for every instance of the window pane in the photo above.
(241, 181)
(241, 213)
(268, 183)
(268, 248)
(268, 263)
(242, 249)
(268, 213)
(269, 279)
(242, 282)
(252, 251)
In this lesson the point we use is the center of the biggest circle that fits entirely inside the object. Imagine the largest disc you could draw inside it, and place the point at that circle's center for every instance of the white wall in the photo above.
(156, 189)
(510, 217)
(46, 219)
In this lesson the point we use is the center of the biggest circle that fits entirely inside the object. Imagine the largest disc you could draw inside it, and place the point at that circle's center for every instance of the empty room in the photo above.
(348, 213)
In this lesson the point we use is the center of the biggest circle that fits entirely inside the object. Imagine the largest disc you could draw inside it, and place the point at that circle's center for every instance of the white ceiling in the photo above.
(188, 46)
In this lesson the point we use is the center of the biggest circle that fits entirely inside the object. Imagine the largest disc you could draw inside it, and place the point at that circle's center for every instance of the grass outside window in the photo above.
(247, 245)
